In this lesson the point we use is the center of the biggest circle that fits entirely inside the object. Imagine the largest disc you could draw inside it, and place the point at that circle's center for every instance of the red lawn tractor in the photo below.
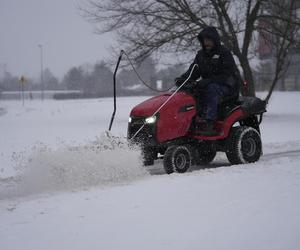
(174, 133)
(169, 126)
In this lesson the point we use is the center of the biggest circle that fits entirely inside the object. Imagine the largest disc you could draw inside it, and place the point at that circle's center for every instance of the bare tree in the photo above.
(51, 82)
(145, 27)
(283, 32)
(74, 79)
(100, 80)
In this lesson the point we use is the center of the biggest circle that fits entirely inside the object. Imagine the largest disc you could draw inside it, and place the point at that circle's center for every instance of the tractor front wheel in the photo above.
(148, 156)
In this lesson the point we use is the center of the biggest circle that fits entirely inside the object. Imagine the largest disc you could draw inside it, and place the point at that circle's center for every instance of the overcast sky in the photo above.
(68, 40)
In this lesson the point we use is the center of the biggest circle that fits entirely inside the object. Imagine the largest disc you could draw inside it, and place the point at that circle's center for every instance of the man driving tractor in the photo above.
(219, 76)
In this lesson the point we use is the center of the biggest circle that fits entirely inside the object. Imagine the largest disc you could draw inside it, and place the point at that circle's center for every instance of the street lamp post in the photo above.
(42, 78)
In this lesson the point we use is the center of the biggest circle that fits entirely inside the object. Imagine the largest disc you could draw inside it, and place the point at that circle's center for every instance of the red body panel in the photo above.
(223, 126)
(174, 121)
(148, 107)
(171, 123)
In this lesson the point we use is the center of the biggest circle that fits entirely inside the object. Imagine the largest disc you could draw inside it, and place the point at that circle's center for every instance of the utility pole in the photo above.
(42, 78)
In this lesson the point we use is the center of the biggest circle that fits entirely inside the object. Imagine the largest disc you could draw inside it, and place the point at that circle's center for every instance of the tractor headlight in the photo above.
(129, 119)
(150, 120)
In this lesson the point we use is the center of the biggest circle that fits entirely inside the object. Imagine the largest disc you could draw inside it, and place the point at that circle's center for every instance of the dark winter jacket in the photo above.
(216, 65)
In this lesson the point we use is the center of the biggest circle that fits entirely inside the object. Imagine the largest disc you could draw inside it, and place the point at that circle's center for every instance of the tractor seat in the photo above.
(227, 104)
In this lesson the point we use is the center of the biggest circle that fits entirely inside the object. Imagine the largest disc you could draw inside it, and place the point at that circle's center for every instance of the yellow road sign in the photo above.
(23, 80)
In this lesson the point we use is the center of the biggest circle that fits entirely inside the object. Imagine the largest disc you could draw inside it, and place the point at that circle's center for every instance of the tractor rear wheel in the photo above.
(244, 145)
(178, 158)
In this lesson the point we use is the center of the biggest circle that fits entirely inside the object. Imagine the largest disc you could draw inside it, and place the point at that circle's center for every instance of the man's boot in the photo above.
(208, 129)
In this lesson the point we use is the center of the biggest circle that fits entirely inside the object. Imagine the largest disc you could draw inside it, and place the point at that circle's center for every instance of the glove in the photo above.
(191, 84)
(203, 82)
(178, 81)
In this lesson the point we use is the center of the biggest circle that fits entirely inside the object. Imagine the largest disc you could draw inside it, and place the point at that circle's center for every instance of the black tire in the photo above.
(244, 145)
(178, 158)
(148, 156)
(205, 156)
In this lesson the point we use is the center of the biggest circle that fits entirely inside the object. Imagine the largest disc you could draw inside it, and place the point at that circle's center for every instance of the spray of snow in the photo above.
(106, 161)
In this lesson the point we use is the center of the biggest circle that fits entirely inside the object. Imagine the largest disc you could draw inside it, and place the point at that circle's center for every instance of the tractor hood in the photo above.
(150, 106)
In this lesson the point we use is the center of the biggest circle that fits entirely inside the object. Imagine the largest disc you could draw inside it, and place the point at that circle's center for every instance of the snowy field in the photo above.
(65, 185)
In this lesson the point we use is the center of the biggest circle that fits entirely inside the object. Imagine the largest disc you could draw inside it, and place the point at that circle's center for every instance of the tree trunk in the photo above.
(248, 88)
(297, 81)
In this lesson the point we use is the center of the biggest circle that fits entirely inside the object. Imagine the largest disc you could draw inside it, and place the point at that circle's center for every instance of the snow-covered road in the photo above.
(58, 190)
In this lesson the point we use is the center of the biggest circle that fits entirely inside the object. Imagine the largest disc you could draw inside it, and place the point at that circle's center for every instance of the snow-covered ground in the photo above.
(65, 185)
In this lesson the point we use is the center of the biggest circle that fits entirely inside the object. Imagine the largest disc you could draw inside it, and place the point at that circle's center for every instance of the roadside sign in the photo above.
(23, 80)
